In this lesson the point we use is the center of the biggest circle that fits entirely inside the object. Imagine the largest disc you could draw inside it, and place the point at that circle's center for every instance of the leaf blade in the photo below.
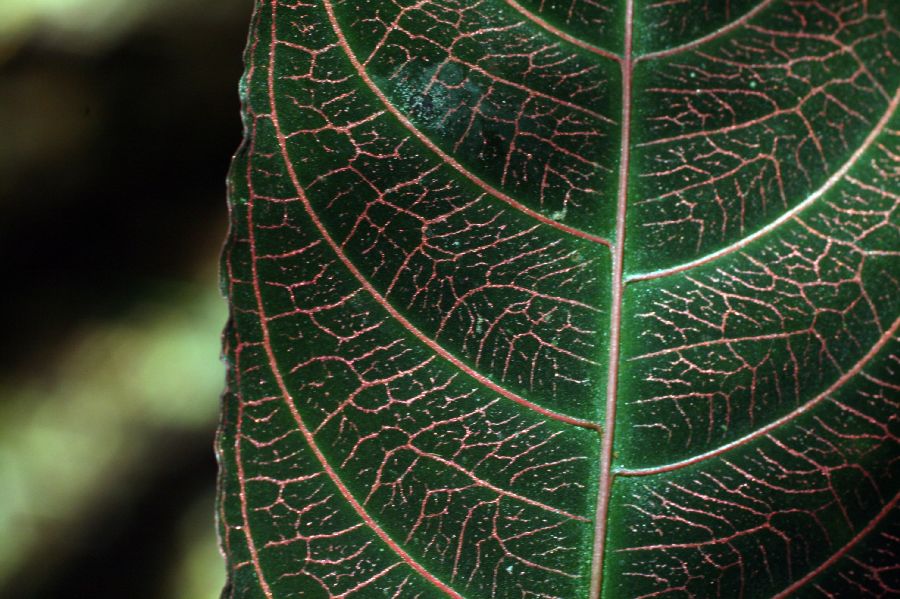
(433, 351)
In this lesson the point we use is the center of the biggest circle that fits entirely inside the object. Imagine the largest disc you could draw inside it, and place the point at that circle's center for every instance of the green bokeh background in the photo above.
(118, 118)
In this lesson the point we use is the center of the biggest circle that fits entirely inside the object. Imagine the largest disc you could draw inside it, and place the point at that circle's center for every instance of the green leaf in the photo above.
(565, 299)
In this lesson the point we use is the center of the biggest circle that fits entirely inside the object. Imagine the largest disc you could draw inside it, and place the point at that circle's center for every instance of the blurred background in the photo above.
(117, 122)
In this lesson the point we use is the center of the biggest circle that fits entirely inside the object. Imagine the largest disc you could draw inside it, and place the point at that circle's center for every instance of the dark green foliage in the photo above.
(516, 285)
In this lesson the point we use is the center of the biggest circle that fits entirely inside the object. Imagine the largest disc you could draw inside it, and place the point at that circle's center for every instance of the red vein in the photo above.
(708, 37)
(498, 490)
(238, 460)
(604, 486)
(793, 588)
(543, 24)
(724, 341)
(533, 92)
(251, 545)
(888, 335)
(273, 364)
(364, 75)
(366, 582)
(788, 215)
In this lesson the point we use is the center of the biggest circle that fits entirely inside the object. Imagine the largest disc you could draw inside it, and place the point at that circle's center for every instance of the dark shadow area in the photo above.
(137, 196)
(112, 177)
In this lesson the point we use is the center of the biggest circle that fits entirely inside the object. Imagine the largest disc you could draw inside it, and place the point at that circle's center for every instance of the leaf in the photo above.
(565, 299)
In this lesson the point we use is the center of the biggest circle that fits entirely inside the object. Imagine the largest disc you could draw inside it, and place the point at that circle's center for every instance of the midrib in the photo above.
(617, 289)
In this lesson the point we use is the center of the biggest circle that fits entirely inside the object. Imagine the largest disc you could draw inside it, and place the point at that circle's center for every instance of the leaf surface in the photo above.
(564, 299)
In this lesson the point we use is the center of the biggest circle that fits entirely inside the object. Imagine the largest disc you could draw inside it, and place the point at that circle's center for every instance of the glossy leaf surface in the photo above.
(565, 299)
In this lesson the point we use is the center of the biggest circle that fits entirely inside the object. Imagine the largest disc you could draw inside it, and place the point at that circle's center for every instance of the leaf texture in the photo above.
(561, 299)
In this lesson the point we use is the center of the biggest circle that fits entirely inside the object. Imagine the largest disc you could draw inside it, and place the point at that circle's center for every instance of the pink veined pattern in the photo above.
(521, 312)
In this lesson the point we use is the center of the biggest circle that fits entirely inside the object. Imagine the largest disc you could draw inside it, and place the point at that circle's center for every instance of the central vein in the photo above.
(615, 320)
